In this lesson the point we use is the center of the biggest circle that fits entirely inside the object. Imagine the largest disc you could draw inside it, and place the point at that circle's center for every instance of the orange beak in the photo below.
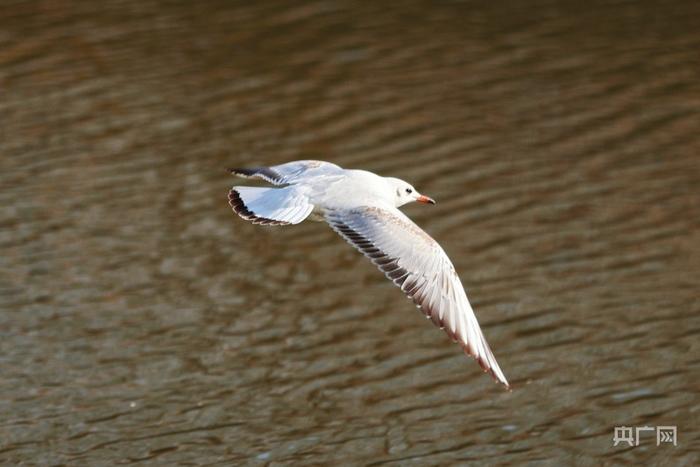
(425, 200)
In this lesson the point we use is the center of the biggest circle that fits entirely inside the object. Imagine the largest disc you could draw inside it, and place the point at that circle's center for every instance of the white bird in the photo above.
(363, 208)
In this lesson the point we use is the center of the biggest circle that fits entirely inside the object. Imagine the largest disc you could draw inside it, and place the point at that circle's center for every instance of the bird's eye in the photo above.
(409, 191)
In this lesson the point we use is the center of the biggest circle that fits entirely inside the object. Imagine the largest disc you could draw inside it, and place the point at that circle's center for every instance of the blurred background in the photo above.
(142, 321)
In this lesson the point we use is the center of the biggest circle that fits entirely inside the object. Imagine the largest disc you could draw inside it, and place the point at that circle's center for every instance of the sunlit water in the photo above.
(142, 321)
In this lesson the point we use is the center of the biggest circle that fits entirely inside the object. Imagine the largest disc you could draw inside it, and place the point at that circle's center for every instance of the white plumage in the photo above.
(363, 208)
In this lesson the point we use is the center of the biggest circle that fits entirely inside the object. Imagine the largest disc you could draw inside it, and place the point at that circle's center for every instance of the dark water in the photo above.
(142, 322)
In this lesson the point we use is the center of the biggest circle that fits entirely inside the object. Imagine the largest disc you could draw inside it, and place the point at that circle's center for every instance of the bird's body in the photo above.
(363, 208)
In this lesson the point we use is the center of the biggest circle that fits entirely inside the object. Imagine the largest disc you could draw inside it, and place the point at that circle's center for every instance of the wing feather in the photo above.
(415, 262)
(289, 173)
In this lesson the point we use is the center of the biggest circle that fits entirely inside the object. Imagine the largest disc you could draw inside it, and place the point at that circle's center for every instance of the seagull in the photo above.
(362, 207)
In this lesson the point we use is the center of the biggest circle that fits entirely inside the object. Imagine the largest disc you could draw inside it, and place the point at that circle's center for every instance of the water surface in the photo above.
(142, 321)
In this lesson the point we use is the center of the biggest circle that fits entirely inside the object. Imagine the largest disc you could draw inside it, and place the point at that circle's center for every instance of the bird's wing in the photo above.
(415, 262)
(291, 172)
(270, 205)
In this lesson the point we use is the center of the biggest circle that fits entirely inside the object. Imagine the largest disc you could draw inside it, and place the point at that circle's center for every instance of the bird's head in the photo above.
(404, 193)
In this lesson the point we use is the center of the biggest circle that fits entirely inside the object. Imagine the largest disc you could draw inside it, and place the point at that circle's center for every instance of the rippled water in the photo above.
(142, 321)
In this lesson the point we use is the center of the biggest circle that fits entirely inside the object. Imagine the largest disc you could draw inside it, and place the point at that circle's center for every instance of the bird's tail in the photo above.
(271, 206)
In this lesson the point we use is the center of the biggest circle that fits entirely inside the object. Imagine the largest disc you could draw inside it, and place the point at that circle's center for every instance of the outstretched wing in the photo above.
(415, 262)
(270, 206)
(291, 172)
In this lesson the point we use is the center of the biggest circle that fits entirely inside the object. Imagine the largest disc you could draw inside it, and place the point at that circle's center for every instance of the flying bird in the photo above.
(362, 207)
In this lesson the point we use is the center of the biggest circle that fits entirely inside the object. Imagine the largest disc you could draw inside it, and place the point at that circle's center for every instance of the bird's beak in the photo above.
(425, 200)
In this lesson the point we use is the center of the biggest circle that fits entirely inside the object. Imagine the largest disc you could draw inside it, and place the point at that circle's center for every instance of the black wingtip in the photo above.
(264, 173)
(240, 208)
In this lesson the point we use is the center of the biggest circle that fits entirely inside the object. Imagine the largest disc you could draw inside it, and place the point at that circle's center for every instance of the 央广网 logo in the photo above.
(630, 434)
